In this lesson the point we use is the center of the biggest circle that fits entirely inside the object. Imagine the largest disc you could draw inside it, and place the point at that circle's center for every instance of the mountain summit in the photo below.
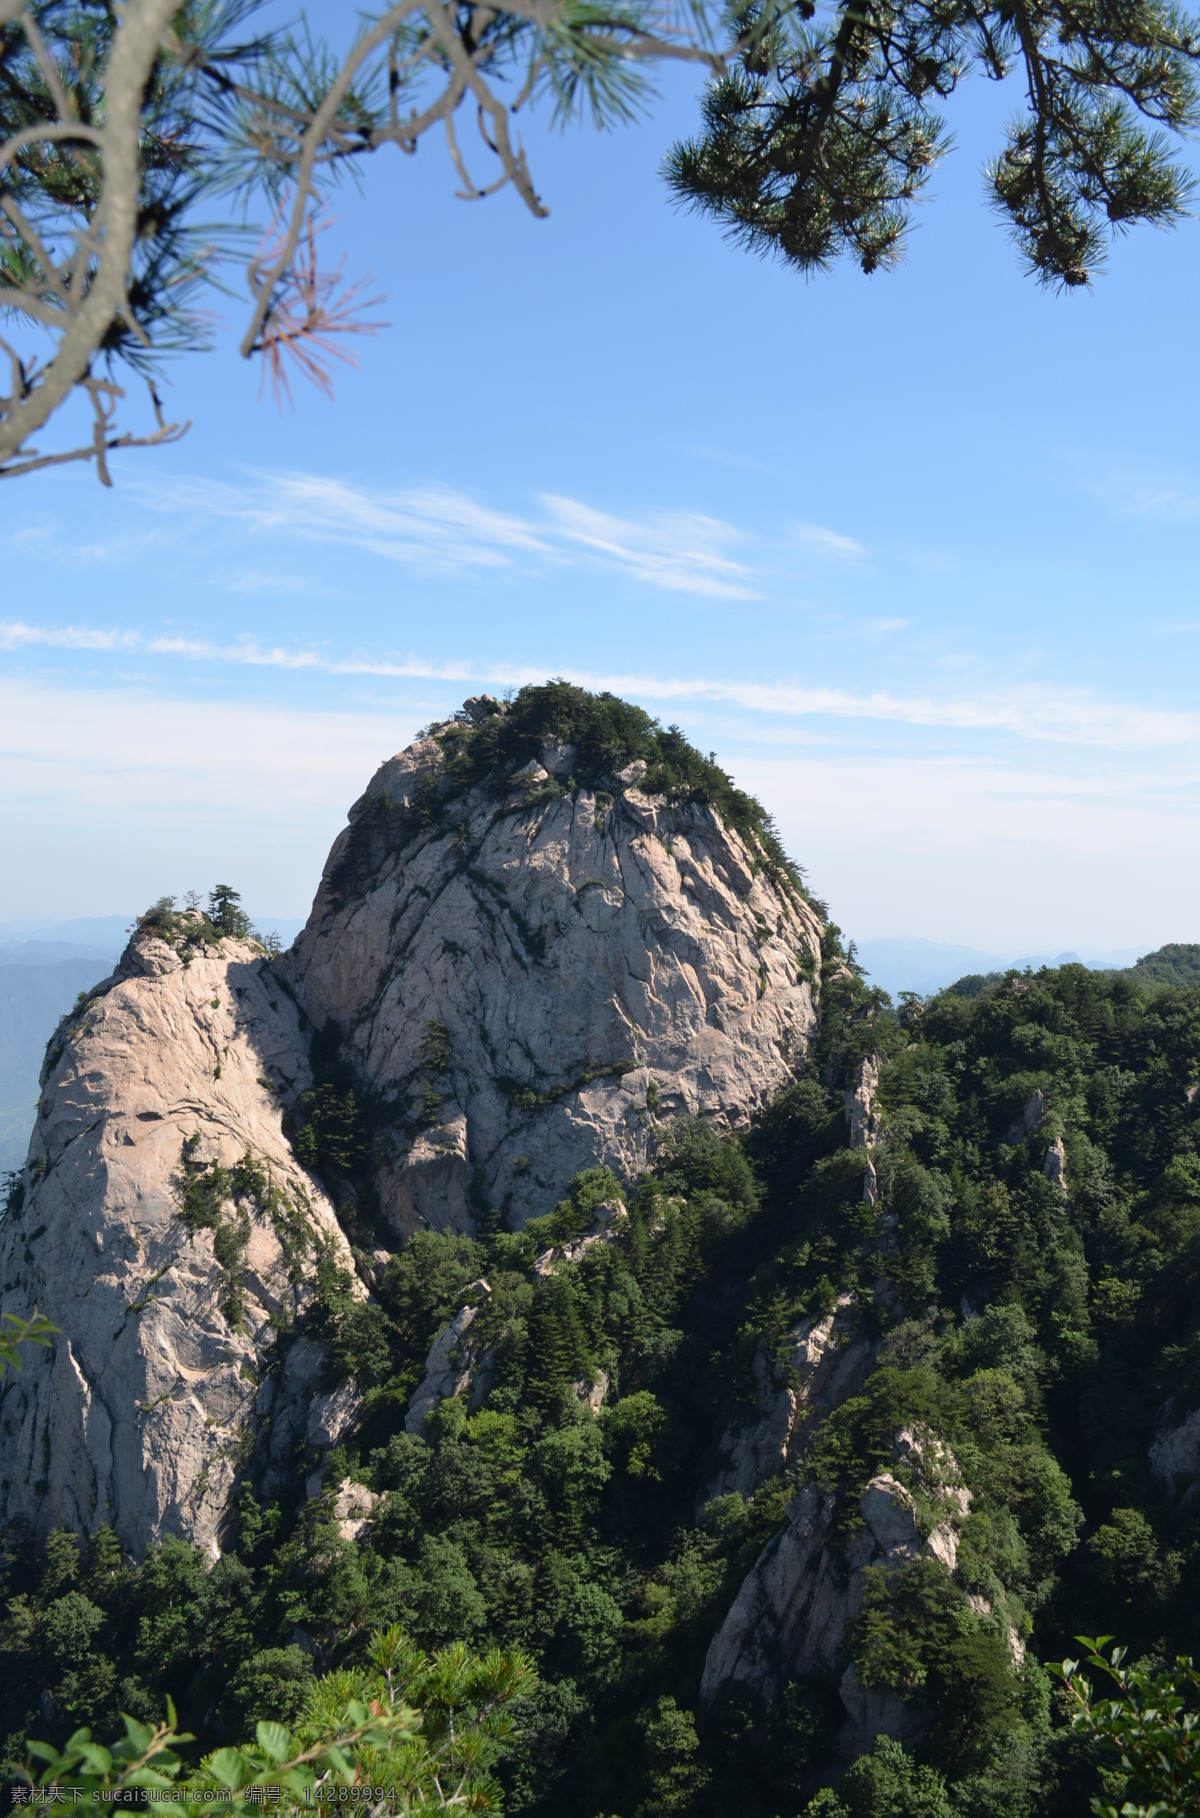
(549, 927)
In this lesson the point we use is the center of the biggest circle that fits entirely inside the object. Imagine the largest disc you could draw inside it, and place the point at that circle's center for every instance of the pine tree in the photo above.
(557, 1344)
(817, 139)
(225, 912)
(118, 148)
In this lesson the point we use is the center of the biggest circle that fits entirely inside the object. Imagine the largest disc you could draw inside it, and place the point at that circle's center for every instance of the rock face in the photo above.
(525, 979)
(866, 1125)
(452, 1368)
(1055, 1165)
(1175, 1453)
(521, 974)
(139, 1413)
(796, 1608)
(825, 1360)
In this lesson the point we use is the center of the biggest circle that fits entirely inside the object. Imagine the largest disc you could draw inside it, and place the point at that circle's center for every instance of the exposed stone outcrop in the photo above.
(139, 1413)
(526, 979)
(591, 1391)
(1055, 1165)
(866, 1125)
(797, 1607)
(608, 1219)
(453, 1367)
(1175, 1452)
(353, 1510)
(331, 1416)
(822, 1361)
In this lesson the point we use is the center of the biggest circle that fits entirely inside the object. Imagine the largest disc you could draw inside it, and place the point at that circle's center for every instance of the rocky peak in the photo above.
(165, 1227)
(547, 927)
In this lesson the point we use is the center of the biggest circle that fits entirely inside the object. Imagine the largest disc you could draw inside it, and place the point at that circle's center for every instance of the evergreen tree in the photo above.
(818, 138)
(226, 913)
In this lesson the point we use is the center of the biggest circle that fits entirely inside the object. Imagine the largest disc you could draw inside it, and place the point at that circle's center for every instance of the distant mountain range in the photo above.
(904, 963)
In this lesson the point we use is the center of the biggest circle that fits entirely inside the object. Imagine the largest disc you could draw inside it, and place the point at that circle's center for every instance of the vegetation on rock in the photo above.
(1039, 1320)
(193, 927)
(488, 744)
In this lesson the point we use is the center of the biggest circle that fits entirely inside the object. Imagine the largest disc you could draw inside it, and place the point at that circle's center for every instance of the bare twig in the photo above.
(308, 316)
(104, 397)
(314, 137)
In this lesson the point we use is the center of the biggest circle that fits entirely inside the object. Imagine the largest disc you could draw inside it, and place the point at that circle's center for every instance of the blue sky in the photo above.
(916, 555)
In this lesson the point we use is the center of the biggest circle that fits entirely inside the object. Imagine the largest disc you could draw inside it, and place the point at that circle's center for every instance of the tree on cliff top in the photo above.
(118, 125)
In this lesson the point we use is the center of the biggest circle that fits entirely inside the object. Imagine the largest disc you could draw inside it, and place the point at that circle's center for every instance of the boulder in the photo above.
(353, 1510)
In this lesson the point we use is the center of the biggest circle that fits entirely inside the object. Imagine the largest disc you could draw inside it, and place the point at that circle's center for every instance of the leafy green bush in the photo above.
(1149, 1731)
(406, 1732)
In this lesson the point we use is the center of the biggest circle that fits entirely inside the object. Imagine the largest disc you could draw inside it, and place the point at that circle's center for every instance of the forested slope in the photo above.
(1023, 1292)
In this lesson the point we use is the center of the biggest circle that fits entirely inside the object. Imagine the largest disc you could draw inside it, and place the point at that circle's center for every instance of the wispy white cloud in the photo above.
(435, 529)
(683, 551)
(819, 541)
(261, 580)
(442, 531)
(246, 653)
(1145, 491)
(46, 541)
(1046, 715)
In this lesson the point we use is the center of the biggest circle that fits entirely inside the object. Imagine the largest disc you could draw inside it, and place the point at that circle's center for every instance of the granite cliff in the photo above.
(166, 1081)
(537, 940)
(528, 965)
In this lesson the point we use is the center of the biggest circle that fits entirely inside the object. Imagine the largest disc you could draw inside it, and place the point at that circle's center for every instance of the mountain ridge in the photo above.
(789, 1446)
